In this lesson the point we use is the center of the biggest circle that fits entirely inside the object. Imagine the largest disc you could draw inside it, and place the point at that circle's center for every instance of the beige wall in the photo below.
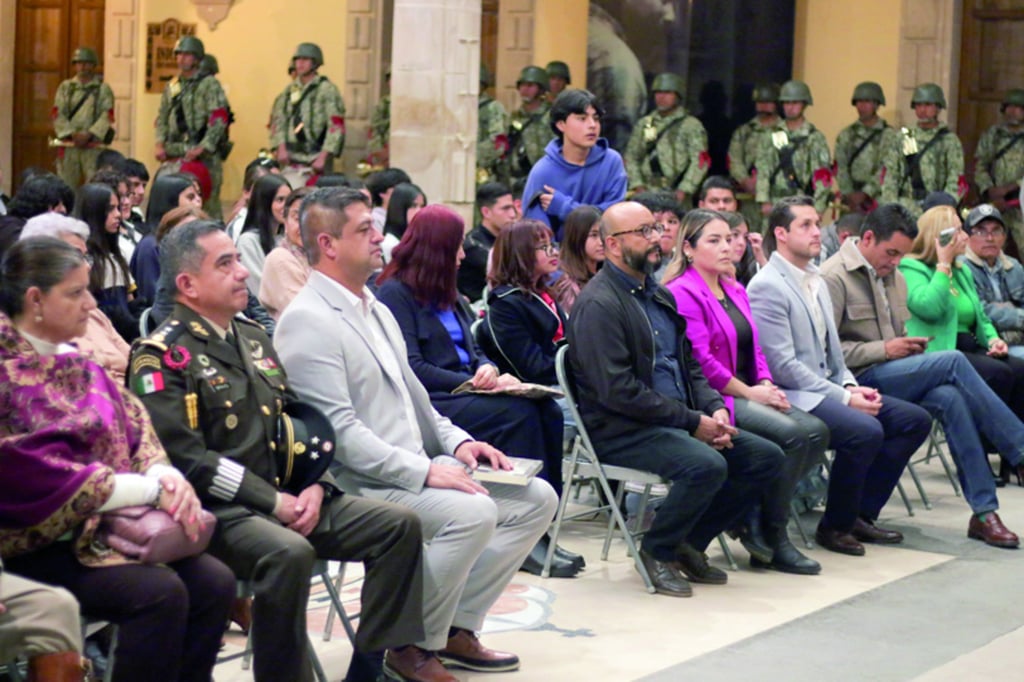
(253, 46)
(839, 44)
(560, 32)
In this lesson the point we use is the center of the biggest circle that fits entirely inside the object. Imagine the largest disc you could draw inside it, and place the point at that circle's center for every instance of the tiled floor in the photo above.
(602, 625)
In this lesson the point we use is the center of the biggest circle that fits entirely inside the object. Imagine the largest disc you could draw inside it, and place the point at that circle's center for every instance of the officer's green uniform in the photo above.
(81, 107)
(492, 138)
(528, 132)
(215, 404)
(859, 157)
(668, 151)
(998, 162)
(743, 148)
(194, 112)
(380, 130)
(311, 118)
(808, 173)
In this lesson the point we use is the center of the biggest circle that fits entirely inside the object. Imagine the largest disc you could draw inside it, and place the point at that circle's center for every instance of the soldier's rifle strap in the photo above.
(194, 136)
(1014, 139)
(652, 151)
(785, 166)
(515, 136)
(864, 145)
(300, 136)
(85, 95)
(914, 165)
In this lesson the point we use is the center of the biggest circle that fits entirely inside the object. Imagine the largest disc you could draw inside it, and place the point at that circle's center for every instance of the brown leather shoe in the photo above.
(838, 541)
(869, 532)
(413, 664)
(992, 531)
(464, 650)
(66, 666)
(241, 613)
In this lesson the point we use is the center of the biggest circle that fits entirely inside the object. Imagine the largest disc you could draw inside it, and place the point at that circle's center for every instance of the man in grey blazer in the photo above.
(873, 437)
(344, 352)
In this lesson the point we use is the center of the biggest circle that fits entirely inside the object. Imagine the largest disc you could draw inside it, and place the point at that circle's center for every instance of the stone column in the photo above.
(120, 68)
(929, 53)
(434, 83)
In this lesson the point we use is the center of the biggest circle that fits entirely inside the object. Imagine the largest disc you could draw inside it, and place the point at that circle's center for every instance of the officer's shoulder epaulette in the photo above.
(245, 320)
(165, 335)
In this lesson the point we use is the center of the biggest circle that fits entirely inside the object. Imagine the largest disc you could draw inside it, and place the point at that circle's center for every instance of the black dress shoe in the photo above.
(694, 565)
(866, 531)
(788, 559)
(560, 553)
(665, 577)
(838, 541)
(534, 563)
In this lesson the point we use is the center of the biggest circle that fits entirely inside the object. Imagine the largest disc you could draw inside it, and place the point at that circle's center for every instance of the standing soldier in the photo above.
(744, 145)
(83, 117)
(668, 148)
(309, 129)
(529, 130)
(379, 134)
(999, 164)
(192, 125)
(923, 159)
(795, 158)
(558, 78)
(491, 132)
(859, 150)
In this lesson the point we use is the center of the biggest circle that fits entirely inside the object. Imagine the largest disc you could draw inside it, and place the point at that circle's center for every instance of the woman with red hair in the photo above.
(418, 285)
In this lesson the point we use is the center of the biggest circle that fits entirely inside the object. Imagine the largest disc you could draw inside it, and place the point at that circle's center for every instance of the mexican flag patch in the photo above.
(149, 383)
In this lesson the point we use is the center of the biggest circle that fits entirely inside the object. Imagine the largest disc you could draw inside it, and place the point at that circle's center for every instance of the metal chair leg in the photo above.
(795, 517)
(727, 552)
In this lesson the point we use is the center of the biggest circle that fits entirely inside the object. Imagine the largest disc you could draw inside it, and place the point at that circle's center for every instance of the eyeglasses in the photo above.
(988, 234)
(647, 231)
(549, 249)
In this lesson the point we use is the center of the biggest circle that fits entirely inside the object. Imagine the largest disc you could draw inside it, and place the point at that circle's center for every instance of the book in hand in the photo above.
(522, 390)
(522, 472)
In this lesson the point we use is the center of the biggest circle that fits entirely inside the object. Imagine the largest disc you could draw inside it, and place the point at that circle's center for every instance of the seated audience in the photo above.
(137, 176)
(76, 444)
(873, 436)
(725, 342)
(263, 224)
(998, 278)
(253, 172)
(170, 191)
(717, 193)
(667, 212)
(344, 353)
(647, 405)
(581, 253)
(381, 184)
(223, 439)
(40, 193)
(287, 268)
(869, 301)
(100, 343)
(128, 238)
(405, 201)
(944, 306)
(747, 251)
(494, 201)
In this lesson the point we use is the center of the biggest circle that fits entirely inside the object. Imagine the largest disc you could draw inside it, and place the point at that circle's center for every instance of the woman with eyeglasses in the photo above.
(581, 253)
(419, 287)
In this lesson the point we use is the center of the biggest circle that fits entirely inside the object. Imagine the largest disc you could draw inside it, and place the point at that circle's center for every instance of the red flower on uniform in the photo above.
(501, 144)
(216, 115)
(961, 186)
(53, 113)
(338, 123)
(703, 159)
(823, 177)
(110, 114)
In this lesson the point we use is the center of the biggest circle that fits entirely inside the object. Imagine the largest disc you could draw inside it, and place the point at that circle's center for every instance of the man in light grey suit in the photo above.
(873, 438)
(344, 352)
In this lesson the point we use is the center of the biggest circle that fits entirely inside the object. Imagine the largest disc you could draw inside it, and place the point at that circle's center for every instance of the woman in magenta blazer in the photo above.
(725, 342)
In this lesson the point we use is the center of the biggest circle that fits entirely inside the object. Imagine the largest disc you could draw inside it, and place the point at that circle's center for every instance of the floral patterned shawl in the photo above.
(65, 429)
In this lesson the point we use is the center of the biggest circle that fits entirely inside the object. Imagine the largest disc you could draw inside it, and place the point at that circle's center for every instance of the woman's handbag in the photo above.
(152, 536)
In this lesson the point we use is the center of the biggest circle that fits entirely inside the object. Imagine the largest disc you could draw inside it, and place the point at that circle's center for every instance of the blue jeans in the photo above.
(950, 389)
(711, 489)
(871, 453)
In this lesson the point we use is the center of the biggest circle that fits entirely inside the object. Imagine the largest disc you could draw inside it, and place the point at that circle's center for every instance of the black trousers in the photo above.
(1005, 376)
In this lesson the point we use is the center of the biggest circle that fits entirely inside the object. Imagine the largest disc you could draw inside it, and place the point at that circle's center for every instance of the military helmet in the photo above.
(795, 91)
(868, 90)
(486, 80)
(765, 92)
(559, 69)
(928, 93)
(190, 45)
(85, 54)
(209, 65)
(533, 74)
(310, 51)
(1013, 97)
(669, 82)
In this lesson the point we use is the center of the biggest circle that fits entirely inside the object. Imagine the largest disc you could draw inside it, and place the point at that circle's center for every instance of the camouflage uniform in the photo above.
(310, 118)
(743, 147)
(95, 115)
(379, 133)
(677, 159)
(941, 166)
(811, 165)
(859, 157)
(202, 121)
(528, 135)
(1008, 169)
(491, 138)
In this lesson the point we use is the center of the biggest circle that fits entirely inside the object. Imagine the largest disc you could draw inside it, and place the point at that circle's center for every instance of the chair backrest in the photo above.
(144, 326)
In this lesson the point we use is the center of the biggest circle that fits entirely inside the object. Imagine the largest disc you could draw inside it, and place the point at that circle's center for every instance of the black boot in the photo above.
(752, 538)
(786, 557)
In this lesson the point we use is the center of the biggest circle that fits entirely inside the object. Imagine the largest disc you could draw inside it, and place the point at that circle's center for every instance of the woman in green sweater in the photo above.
(945, 306)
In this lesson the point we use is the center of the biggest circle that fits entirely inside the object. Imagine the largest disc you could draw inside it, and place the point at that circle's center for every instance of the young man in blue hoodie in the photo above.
(578, 167)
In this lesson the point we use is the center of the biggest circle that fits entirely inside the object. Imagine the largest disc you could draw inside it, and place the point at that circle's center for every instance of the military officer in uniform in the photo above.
(309, 127)
(379, 134)
(794, 159)
(491, 132)
(83, 118)
(192, 124)
(558, 78)
(744, 145)
(859, 150)
(668, 148)
(923, 159)
(215, 389)
(529, 130)
(999, 164)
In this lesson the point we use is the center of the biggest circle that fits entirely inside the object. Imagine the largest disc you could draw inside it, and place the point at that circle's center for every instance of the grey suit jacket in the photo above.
(799, 364)
(327, 349)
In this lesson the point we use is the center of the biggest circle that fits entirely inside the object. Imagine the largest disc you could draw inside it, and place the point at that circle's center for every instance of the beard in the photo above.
(640, 261)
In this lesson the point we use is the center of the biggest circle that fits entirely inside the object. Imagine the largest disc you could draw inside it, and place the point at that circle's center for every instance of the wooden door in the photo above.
(992, 61)
(46, 33)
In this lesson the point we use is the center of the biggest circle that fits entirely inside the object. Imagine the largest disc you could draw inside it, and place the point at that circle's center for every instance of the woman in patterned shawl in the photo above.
(75, 444)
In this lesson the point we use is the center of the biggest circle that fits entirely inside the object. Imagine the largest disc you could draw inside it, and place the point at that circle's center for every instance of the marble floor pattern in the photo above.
(938, 608)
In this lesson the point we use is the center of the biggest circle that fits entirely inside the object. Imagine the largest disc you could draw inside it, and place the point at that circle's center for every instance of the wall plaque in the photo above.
(160, 63)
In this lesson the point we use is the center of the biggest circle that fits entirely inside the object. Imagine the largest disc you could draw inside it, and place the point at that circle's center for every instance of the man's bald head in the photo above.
(624, 245)
(625, 215)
